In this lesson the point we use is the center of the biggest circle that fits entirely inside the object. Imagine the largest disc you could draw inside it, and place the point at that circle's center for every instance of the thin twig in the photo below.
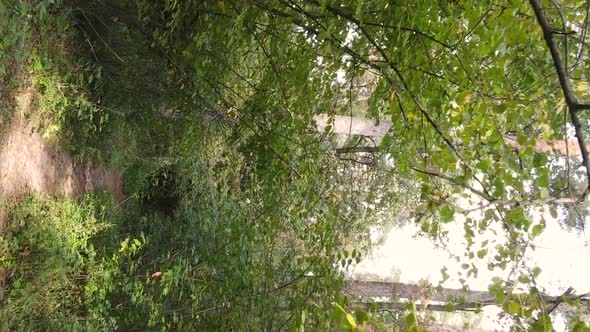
(455, 182)
(99, 37)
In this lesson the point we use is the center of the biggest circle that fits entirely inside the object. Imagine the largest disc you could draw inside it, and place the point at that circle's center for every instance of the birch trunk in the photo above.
(347, 125)
(394, 295)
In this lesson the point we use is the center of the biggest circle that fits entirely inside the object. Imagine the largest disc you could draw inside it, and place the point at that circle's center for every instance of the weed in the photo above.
(14, 31)
(48, 247)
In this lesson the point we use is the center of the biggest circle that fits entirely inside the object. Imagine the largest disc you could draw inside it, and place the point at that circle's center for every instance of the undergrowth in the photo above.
(93, 264)
(216, 234)
(97, 90)
(13, 53)
(39, 53)
(48, 252)
(97, 84)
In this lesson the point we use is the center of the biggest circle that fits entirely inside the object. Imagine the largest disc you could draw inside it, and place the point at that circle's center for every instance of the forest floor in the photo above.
(29, 164)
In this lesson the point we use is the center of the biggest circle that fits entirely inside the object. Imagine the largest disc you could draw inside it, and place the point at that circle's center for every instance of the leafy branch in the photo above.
(574, 106)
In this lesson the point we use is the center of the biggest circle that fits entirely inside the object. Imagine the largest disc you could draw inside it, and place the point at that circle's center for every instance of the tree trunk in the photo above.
(394, 295)
(353, 125)
(378, 128)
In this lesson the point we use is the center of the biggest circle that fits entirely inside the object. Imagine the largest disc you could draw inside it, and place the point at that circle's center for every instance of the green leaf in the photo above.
(499, 188)
(446, 213)
(540, 159)
(351, 321)
(349, 318)
(513, 307)
(542, 324)
(580, 327)
(302, 322)
(537, 230)
(362, 316)
(482, 253)
(484, 165)
(411, 319)
(543, 177)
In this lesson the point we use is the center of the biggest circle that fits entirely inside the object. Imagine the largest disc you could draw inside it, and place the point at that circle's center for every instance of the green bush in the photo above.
(48, 247)
(252, 241)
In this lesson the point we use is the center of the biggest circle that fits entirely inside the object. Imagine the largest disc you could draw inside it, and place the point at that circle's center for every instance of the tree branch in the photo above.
(455, 182)
(570, 97)
(357, 149)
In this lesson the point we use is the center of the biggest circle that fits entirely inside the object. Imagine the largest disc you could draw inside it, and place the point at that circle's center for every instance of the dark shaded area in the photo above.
(161, 192)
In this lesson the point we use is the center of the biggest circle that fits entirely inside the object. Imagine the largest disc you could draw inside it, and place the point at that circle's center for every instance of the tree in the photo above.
(478, 70)
(267, 216)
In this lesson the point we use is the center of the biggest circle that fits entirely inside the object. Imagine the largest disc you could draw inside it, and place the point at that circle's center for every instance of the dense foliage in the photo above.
(240, 216)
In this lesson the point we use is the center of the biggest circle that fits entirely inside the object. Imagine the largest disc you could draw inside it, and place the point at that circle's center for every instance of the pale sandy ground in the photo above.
(29, 164)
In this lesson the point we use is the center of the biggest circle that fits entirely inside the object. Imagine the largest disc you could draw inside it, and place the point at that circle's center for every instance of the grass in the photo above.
(13, 54)
(37, 53)
(98, 88)
(47, 252)
(98, 84)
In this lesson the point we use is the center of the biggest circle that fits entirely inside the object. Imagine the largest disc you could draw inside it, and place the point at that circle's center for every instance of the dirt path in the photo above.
(29, 164)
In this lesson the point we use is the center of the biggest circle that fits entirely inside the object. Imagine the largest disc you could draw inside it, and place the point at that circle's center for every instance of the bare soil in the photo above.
(31, 164)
